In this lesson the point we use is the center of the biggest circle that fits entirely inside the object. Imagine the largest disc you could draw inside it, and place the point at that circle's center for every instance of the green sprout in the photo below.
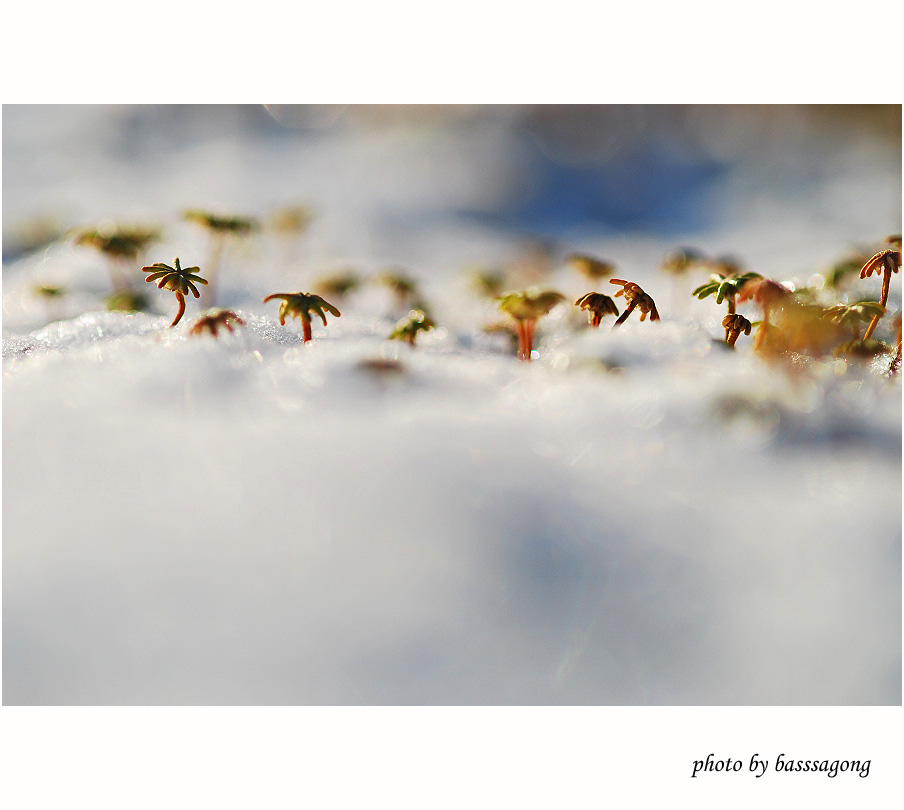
(408, 328)
(300, 305)
(214, 320)
(403, 287)
(768, 294)
(734, 325)
(886, 261)
(338, 284)
(220, 228)
(725, 287)
(126, 301)
(635, 298)
(293, 220)
(488, 283)
(589, 267)
(49, 292)
(597, 306)
(683, 260)
(852, 316)
(121, 245)
(526, 308)
(179, 280)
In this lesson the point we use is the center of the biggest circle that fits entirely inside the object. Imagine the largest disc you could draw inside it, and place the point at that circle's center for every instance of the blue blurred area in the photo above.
(645, 190)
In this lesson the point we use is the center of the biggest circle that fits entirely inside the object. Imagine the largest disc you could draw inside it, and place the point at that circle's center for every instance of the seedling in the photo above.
(300, 305)
(526, 308)
(851, 316)
(408, 328)
(488, 283)
(635, 298)
(49, 292)
(220, 229)
(121, 246)
(213, 321)
(734, 325)
(725, 287)
(403, 287)
(589, 267)
(684, 260)
(597, 306)
(126, 301)
(293, 220)
(338, 284)
(887, 262)
(179, 280)
(767, 294)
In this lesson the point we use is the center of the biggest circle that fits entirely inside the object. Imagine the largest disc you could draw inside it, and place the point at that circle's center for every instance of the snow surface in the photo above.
(636, 517)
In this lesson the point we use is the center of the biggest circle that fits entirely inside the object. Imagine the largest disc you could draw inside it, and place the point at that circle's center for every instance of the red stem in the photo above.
(181, 299)
(306, 330)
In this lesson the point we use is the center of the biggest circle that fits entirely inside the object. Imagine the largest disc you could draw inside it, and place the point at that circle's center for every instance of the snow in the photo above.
(636, 517)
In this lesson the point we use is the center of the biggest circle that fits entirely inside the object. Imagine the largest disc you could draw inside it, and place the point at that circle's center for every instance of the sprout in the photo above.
(887, 262)
(121, 245)
(526, 308)
(597, 306)
(488, 283)
(220, 229)
(300, 305)
(403, 287)
(589, 267)
(725, 287)
(338, 284)
(177, 279)
(635, 297)
(852, 315)
(767, 294)
(735, 324)
(212, 321)
(292, 220)
(408, 328)
(126, 301)
(49, 292)
(683, 260)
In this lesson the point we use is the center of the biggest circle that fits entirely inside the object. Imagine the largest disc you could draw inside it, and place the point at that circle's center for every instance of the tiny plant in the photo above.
(734, 325)
(403, 287)
(589, 267)
(121, 245)
(338, 284)
(597, 306)
(300, 305)
(293, 220)
(635, 298)
(214, 320)
(220, 228)
(852, 316)
(683, 260)
(487, 282)
(725, 287)
(179, 280)
(886, 261)
(526, 308)
(409, 328)
(768, 294)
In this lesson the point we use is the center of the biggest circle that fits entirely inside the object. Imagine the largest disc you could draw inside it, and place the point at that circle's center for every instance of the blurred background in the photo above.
(380, 175)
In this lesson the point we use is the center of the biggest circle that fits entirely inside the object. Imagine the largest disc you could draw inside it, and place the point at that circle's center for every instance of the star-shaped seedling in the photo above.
(300, 305)
(734, 325)
(179, 280)
(589, 267)
(635, 298)
(597, 306)
(526, 308)
(724, 287)
(683, 260)
(408, 328)
(768, 294)
(886, 262)
(211, 322)
(852, 316)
